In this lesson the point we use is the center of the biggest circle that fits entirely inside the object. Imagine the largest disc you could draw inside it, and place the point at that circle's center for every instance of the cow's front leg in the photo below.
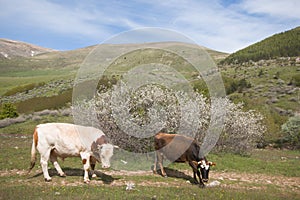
(194, 165)
(195, 171)
(201, 183)
(195, 177)
(53, 159)
(85, 157)
(93, 164)
(160, 163)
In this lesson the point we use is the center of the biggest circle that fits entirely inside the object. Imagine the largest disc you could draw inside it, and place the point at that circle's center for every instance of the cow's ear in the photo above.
(212, 164)
(116, 147)
(195, 163)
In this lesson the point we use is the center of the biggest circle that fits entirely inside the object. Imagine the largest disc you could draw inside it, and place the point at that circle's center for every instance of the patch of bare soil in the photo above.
(256, 181)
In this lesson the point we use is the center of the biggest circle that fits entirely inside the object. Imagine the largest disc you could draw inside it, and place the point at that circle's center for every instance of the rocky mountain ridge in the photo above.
(11, 49)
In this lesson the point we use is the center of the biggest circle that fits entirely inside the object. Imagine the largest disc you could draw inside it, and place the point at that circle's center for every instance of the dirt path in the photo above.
(238, 180)
(231, 179)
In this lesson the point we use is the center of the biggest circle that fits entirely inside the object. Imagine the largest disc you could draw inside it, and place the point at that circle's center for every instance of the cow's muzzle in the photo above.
(105, 166)
(205, 180)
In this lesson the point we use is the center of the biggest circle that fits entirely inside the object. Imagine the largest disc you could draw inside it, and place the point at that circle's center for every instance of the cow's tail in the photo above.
(33, 149)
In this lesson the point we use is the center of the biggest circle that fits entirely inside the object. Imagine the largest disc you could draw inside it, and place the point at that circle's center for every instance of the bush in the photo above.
(238, 86)
(291, 131)
(242, 131)
(42, 103)
(141, 112)
(296, 80)
(8, 110)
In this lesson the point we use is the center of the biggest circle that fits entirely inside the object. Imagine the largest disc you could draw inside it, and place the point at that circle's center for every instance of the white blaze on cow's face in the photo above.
(204, 169)
(106, 152)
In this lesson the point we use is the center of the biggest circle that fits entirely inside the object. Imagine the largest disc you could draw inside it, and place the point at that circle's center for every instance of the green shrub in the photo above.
(296, 80)
(291, 130)
(42, 103)
(237, 85)
(8, 110)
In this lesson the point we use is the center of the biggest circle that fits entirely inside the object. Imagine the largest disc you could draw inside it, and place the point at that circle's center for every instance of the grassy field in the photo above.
(41, 68)
(266, 174)
(12, 80)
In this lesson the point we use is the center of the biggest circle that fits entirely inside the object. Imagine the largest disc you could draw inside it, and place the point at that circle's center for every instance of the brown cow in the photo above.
(179, 148)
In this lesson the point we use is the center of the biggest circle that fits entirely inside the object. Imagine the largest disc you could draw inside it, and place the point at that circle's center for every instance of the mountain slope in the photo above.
(285, 44)
(55, 65)
(10, 49)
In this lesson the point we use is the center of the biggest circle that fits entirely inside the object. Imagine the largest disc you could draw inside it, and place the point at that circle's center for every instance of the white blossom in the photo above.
(130, 118)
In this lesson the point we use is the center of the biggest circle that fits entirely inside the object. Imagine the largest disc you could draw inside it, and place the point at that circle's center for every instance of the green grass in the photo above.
(42, 68)
(26, 187)
(270, 162)
(14, 79)
(140, 192)
(15, 145)
(23, 88)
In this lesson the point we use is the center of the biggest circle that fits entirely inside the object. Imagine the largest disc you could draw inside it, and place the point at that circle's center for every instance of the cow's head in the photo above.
(204, 167)
(105, 152)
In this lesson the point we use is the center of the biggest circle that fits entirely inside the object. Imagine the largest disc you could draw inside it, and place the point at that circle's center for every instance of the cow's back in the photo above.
(175, 147)
(67, 139)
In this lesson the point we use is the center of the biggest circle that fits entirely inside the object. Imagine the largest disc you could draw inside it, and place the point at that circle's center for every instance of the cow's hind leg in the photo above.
(53, 159)
(44, 164)
(86, 166)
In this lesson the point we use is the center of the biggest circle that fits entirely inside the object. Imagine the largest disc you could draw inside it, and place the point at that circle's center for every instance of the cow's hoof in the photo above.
(63, 175)
(201, 185)
(87, 181)
(165, 176)
(48, 179)
(94, 176)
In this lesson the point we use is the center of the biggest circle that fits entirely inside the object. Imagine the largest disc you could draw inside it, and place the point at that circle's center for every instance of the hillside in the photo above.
(285, 44)
(10, 49)
(45, 81)
(49, 66)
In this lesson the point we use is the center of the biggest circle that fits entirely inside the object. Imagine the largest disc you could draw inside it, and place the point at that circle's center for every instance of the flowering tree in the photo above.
(242, 129)
(130, 117)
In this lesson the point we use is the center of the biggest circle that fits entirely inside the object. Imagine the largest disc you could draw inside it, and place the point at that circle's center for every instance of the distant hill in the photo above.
(285, 44)
(15, 55)
(11, 49)
(19, 69)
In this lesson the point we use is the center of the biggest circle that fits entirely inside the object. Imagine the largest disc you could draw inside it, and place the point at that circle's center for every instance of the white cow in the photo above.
(63, 140)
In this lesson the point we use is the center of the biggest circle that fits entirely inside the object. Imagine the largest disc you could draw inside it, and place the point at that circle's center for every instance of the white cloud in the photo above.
(275, 8)
(54, 17)
(209, 22)
(227, 28)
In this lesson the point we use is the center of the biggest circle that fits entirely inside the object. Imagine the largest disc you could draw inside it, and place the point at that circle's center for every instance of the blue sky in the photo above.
(217, 24)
